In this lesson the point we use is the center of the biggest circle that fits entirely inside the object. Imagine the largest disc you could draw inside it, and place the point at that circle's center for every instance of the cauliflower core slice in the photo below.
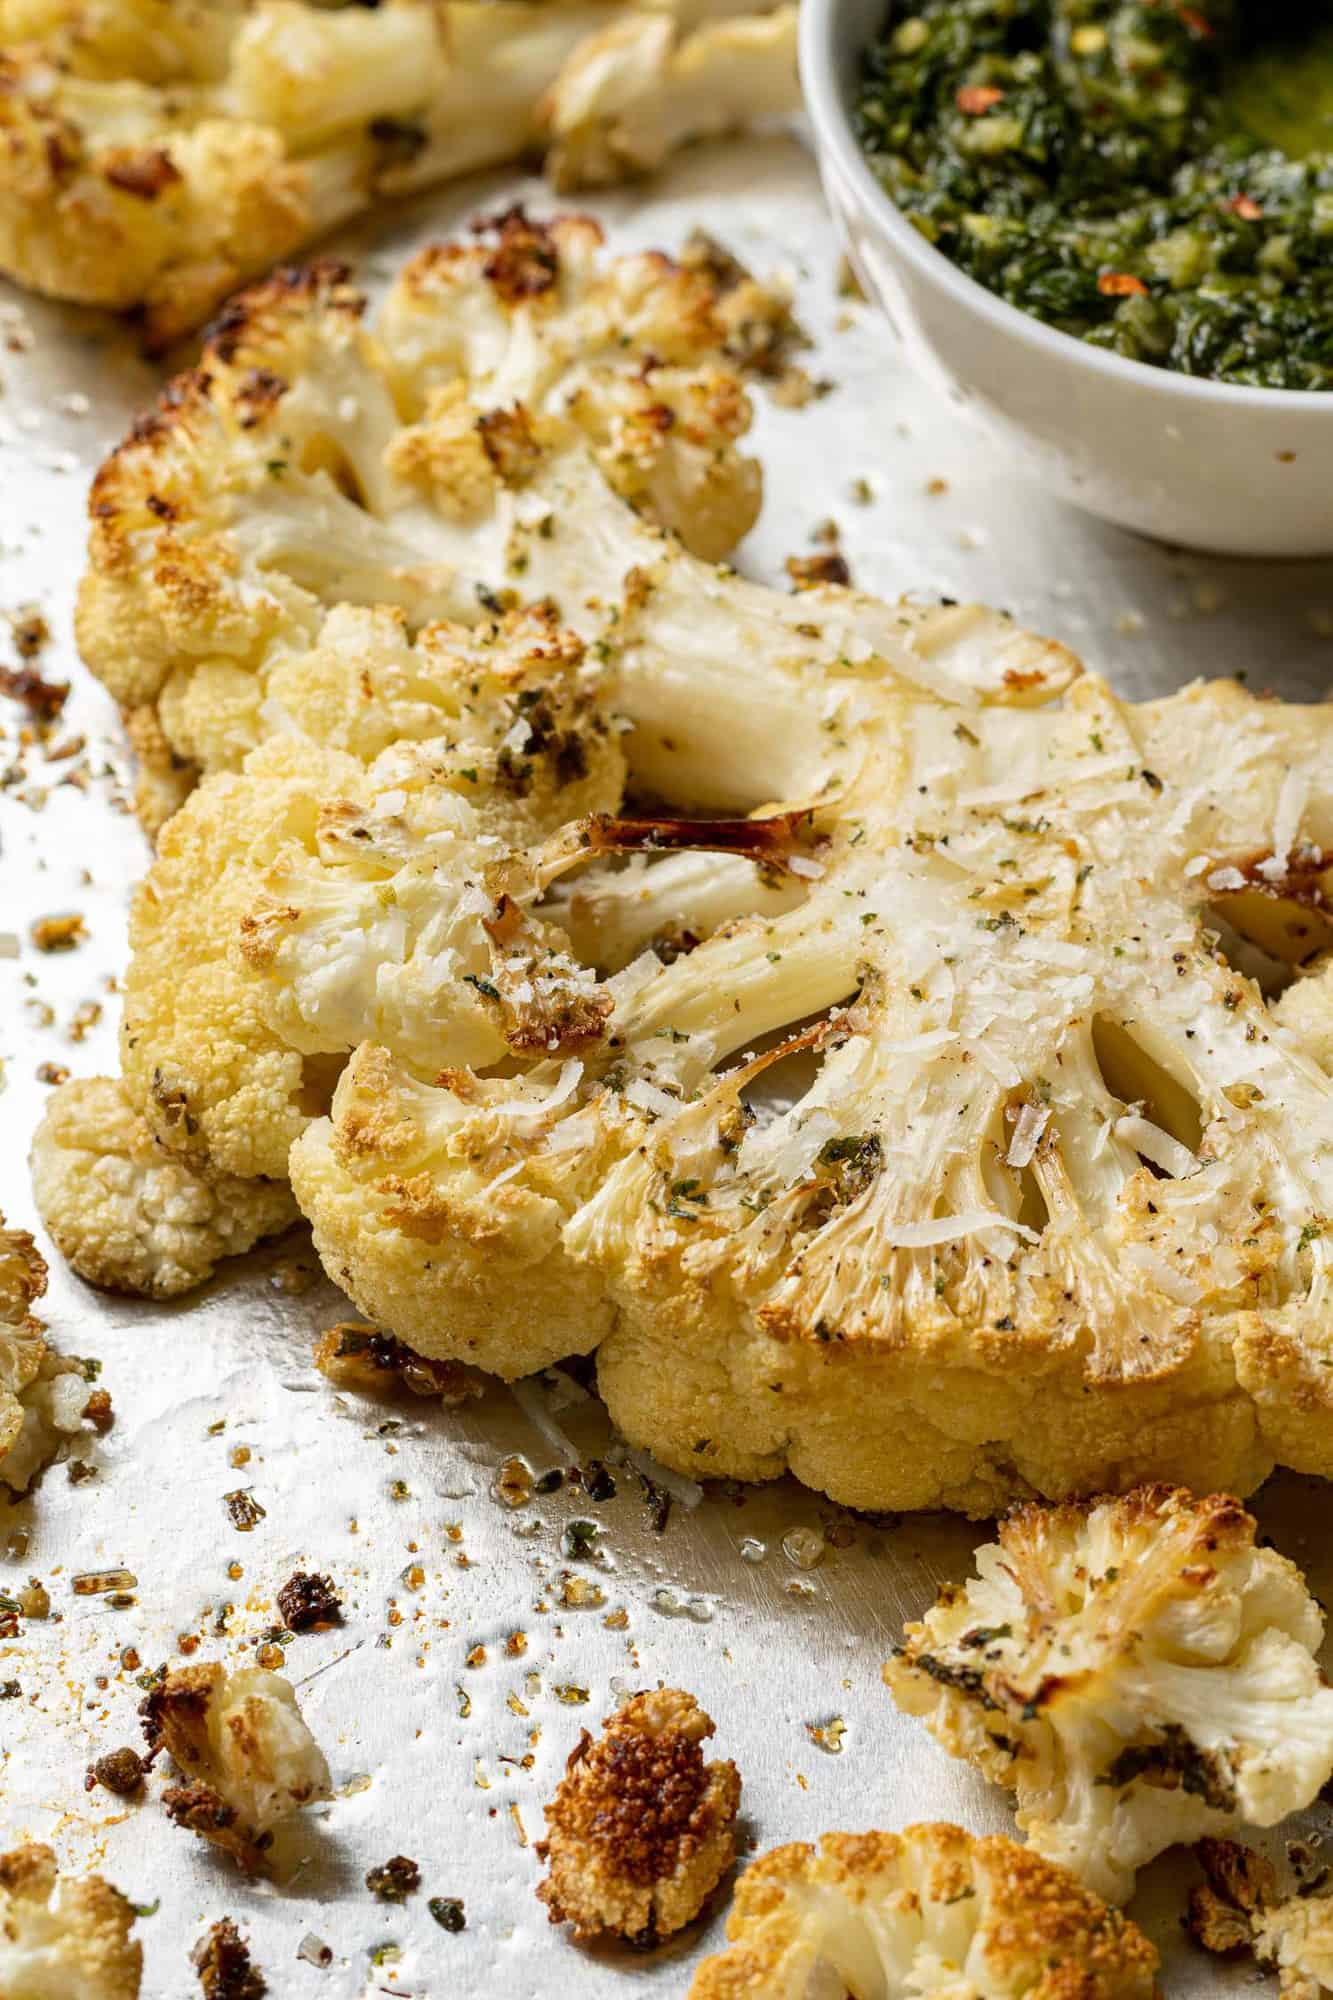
(156, 157)
(642, 1830)
(62, 1934)
(128, 1213)
(1136, 1671)
(247, 1759)
(308, 464)
(928, 1914)
(44, 1396)
(1047, 1151)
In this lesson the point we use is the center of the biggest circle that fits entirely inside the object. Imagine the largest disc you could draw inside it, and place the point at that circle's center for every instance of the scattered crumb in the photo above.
(809, 572)
(222, 1960)
(394, 1880)
(61, 933)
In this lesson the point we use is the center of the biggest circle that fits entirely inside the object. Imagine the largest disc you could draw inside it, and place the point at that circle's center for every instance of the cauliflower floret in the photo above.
(417, 1216)
(1036, 1205)
(1136, 1671)
(931, 1912)
(215, 1082)
(459, 459)
(642, 1830)
(1241, 1908)
(314, 900)
(44, 1396)
(63, 1935)
(247, 1757)
(158, 156)
(129, 1214)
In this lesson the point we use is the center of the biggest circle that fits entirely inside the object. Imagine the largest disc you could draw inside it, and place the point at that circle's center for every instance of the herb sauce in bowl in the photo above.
(1154, 179)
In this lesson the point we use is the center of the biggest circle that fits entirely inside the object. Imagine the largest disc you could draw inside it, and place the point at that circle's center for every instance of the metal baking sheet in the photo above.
(445, 1761)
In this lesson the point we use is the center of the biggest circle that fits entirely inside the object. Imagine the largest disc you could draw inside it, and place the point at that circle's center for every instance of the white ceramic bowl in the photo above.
(1205, 464)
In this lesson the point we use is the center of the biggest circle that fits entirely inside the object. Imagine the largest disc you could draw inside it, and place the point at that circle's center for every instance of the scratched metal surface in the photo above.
(448, 1762)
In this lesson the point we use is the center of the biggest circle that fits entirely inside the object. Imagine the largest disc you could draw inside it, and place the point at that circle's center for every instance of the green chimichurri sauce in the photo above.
(1156, 179)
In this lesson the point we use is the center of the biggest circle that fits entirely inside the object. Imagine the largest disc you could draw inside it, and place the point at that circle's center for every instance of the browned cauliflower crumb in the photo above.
(641, 1829)
(1239, 1907)
(931, 1912)
(247, 1755)
(63, 1937)
(1135, 1670)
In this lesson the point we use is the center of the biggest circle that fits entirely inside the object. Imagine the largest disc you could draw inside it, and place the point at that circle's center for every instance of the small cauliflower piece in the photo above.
(44, 1396)
(642, 1830)
(1240, 1908)
(247, 1758)
(929, 1914)
(63, 1935)
(129, 1214)
(1135, 1671)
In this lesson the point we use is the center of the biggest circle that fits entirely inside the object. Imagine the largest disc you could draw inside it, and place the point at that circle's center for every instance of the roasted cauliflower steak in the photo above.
(1136, 1671)
(156, 156)
(63, 1934)
(450, 464)
(932, 1913)
(934, 1148)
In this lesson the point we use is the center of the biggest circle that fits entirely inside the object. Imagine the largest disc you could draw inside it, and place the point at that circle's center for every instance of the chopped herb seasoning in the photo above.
(448, 1912)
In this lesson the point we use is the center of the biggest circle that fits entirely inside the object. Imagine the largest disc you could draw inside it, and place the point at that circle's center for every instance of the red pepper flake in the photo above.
(974, 98)
(1120, 285)
(1246, 207)
(1197, 23)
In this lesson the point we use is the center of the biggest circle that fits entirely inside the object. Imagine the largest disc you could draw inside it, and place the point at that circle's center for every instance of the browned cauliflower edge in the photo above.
(1135, 1670)
(246, 1757)
(641, 1829)
(129, 1214)
(931, 1911)
(63, 1937)
(1240, 1908)
(45, 1398)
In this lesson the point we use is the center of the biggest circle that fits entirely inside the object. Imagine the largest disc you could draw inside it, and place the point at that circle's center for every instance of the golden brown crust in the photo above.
(1135, 1670)
(1026, 1929)
(641, 1829)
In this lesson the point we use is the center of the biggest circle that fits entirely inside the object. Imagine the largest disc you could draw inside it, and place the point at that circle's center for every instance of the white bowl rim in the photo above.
(819, 23)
